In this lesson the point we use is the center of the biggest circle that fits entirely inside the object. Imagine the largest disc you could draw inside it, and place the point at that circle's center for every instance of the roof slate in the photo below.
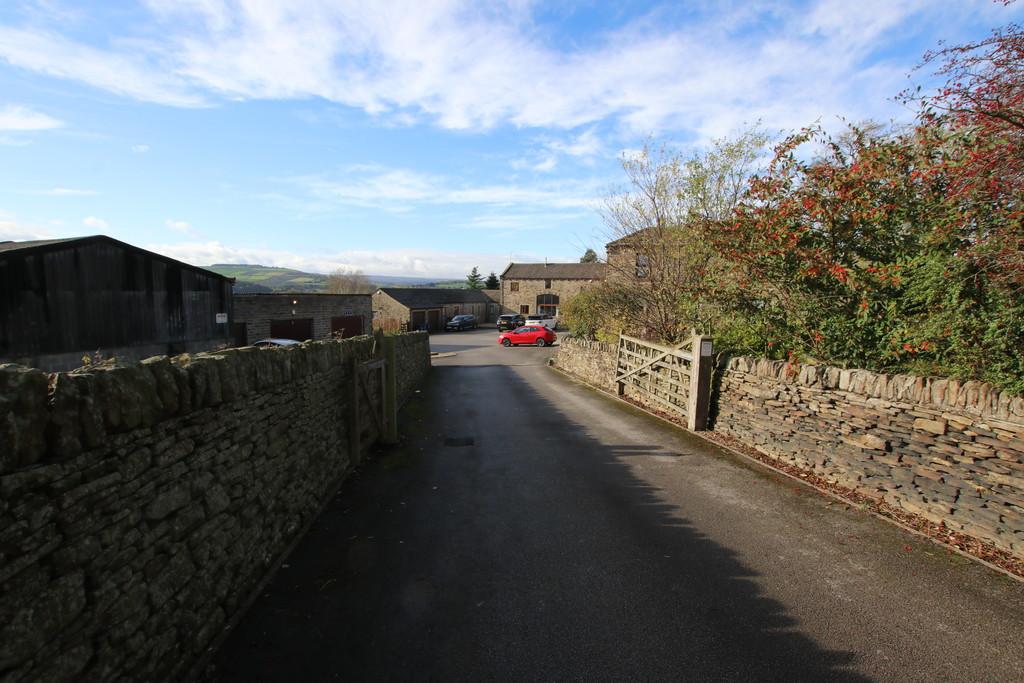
(431, 297)
(555, 271)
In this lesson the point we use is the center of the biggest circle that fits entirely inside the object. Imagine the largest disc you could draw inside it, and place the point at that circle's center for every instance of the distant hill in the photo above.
(251, 279)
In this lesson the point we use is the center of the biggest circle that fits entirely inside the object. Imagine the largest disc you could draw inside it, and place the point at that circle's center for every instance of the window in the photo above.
(513, 286)
(547, 284)
(642, 265)
(524, 309)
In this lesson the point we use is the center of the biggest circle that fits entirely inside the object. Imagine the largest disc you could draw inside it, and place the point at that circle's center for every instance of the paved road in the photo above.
(578, 539)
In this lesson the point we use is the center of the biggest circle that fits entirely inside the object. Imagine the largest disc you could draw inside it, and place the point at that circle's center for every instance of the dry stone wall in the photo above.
(140, 506)
(412, 354)
(947, 450)
(591, 361)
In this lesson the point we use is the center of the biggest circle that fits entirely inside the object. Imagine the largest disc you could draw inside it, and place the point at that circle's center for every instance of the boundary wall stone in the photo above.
(951, 451)
(141, 505)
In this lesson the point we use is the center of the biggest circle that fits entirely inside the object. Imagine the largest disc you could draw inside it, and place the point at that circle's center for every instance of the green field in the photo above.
(251, 278)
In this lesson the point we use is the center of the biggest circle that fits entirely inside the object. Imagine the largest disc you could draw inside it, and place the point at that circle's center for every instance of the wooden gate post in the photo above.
(620, 387)
(354, 428)
(390, 390)
(700, 383)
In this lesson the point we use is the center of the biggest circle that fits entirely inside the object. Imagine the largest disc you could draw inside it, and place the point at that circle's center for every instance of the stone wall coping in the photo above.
(57, 415)
(587, 344)
(972, 397)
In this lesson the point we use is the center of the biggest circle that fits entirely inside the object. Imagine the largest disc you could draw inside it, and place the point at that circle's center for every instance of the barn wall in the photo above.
(57, 305)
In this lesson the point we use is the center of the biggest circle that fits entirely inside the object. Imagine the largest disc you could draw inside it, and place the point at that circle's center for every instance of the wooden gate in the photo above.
(676, 379)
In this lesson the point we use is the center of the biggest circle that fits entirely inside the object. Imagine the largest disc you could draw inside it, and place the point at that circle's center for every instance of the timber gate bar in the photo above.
(675, 378)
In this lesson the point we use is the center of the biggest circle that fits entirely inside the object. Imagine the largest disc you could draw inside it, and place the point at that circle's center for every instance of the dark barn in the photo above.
(63, 299)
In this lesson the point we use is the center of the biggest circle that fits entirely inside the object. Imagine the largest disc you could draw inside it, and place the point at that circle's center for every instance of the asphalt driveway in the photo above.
(529, 528)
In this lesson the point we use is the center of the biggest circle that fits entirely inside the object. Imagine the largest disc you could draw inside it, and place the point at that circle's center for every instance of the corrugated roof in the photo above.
(431, 297)
(29, 244)
(14, 249)
(555, 271)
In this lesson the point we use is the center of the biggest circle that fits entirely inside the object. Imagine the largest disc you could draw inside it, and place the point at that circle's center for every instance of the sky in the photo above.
(411, 138)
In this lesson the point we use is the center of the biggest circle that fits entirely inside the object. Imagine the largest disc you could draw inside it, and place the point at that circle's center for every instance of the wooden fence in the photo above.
(676, 379)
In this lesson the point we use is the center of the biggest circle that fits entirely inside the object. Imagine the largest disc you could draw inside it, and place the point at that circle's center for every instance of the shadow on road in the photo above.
(535, 553)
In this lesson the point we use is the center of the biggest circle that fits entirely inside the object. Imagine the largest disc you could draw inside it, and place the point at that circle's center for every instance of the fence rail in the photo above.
(677, 379)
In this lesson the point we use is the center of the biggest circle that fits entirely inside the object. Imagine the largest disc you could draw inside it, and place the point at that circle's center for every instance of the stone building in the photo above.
(300, 316)
(63, 299)
(428, 308)
(629, 258)
(544, 287)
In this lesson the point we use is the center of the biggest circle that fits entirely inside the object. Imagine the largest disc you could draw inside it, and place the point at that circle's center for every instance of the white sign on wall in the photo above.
(222, 318)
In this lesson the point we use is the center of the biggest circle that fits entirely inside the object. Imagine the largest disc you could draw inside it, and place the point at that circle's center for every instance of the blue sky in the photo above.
(417, 138)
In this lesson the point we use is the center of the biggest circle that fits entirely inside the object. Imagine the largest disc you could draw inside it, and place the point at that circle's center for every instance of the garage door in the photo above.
(347, 326)
(300, 329)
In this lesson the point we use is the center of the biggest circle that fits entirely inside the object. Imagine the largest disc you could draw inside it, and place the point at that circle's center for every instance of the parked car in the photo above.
(510, 321)
(548, 321)
(537, 335)
(461, 322)
(271, 343)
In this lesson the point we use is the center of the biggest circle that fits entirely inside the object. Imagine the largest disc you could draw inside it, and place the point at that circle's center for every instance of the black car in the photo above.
(510, 321)
(461, 322)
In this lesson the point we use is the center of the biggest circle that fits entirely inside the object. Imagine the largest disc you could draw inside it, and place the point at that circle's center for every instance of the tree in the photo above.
(846, 258)
(492, 282)
(660, 219)
(343, 282)
(475, 280)
(589, 256)
(978, 114)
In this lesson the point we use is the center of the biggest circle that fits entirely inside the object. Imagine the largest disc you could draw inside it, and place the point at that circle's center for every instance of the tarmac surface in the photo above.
(530, 528)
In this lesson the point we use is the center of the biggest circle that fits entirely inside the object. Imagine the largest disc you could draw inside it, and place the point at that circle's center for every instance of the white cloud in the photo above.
(15, 117)
(522, 220)
(68, 192)
(140, 149)
(95, 223)
(585, 144)
(401, 189)
(180, 226)
(137, 70)
(408, 262)
(462, 64)
(548, 163)
(15, 230)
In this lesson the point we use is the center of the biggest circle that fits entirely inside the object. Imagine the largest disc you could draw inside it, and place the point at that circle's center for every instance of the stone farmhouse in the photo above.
(428, 308)
(543, 287)
(300, 316)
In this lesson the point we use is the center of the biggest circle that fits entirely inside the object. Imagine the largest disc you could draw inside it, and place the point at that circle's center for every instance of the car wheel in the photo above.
(541, 342)
(506, 342)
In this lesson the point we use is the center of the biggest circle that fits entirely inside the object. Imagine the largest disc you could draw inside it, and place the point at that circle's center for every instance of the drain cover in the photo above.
(459, 441)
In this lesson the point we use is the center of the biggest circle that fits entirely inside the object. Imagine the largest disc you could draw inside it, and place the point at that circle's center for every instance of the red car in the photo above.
(529, 334)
